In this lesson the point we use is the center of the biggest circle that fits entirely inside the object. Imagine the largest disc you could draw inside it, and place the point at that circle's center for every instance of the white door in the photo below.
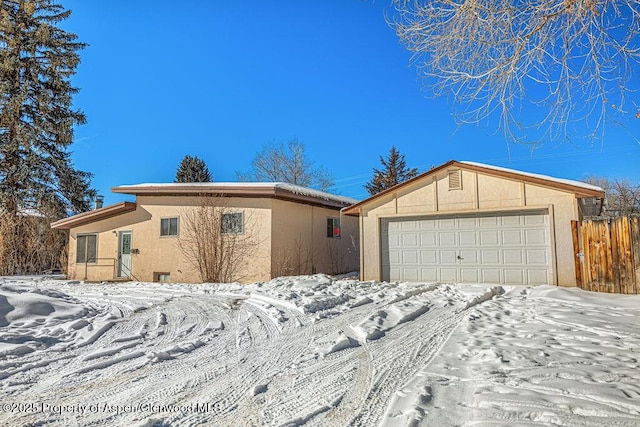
(506, 248)
(124, 254)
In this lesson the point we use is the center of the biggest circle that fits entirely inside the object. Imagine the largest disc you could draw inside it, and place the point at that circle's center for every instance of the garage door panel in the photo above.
(427, 225)
(448, 223)
(393, 241)
(469, 275)
(535, 237)
(448, 257)
(538, 277)
(447, 238)
(492, 248)
(428, 239)
(429, 257)
(490, 275)
(467, 223)
(410, 257)
(409, 225)
(395, 257)
(515, 277)
(410, 274)
(429, 274)
(512, 220)
(469, 256)
(512, 237)
(449, 274)
(468, 238)
(536, 219)
(488, 221)
(409, 240)
(537, 256)
(489, 238)
(490, 256)
(513, 256)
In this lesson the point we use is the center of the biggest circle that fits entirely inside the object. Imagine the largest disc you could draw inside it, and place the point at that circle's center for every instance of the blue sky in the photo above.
(218, 80)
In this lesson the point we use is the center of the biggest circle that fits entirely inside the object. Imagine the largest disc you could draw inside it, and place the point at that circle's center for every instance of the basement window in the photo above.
(333, 228)
(455, 179)
(162, 277)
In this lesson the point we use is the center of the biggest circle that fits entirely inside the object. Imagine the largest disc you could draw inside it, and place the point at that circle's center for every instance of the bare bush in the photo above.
(213, 243)
(292, 261)
(552, 69)
(29, 245)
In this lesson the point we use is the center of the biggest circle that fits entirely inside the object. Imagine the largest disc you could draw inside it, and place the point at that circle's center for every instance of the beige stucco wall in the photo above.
(286, 238)
(163, 254)
(480, 193)
(300, 244)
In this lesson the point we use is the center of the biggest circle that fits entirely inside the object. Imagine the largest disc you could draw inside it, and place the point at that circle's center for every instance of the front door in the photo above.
(124, 254)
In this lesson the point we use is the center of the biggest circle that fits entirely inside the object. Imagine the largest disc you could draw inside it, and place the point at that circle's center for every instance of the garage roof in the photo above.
(580, 189)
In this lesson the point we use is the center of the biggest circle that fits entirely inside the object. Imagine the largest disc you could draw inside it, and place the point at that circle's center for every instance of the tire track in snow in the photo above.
(397, 359)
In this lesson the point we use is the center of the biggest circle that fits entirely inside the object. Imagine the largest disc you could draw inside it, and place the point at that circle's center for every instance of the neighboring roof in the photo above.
(580, 189)
(95, 215)
(277, 190)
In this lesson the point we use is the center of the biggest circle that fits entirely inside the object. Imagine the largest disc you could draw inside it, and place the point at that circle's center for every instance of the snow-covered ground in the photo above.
(317, 351)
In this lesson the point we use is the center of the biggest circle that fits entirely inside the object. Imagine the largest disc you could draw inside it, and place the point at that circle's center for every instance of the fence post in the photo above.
(634, 245)
(575, 232)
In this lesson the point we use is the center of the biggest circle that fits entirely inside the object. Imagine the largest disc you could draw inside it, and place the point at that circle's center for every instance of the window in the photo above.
(169, 226)
(333, 227)
(455, 180)
(232, 223)
(162, 277)
(87, 250)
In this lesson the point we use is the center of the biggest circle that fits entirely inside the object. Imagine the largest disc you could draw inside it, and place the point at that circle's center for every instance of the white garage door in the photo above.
(513, 248)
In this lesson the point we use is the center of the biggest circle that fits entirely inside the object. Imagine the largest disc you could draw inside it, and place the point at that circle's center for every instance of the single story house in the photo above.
(471, 222)
(260, 230)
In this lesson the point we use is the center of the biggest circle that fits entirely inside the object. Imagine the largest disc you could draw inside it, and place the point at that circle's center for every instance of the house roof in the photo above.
(277, 190)
(95, 215)
(580, 189)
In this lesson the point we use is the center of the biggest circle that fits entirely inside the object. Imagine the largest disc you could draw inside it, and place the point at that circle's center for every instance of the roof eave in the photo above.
(245, 191)
(92, 216)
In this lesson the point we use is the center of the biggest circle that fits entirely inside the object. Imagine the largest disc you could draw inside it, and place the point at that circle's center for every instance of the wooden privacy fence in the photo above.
(607, 255)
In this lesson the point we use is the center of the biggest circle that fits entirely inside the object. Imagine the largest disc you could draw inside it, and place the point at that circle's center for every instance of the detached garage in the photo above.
(470, 222)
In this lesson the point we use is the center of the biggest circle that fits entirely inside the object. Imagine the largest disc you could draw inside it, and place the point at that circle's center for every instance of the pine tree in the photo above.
(193, 169)
(37, 60)
(395, 171)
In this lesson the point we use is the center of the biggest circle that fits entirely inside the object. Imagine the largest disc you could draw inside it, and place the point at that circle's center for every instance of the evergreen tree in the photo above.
(37, 60)
(395, 171)
(38, 183)
(193, 169)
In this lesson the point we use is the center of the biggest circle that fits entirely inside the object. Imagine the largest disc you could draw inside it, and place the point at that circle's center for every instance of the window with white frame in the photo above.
(333, 227)
(232, 223)
(169, 226)
(87, 248)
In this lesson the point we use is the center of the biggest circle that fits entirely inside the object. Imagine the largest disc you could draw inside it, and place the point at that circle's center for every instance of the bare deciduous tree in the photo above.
(552, 69)
(279, 163)
(622, 197)
(216, 240)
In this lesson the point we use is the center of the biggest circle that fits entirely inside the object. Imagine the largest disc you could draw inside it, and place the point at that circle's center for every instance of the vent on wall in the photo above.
(455, 180)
